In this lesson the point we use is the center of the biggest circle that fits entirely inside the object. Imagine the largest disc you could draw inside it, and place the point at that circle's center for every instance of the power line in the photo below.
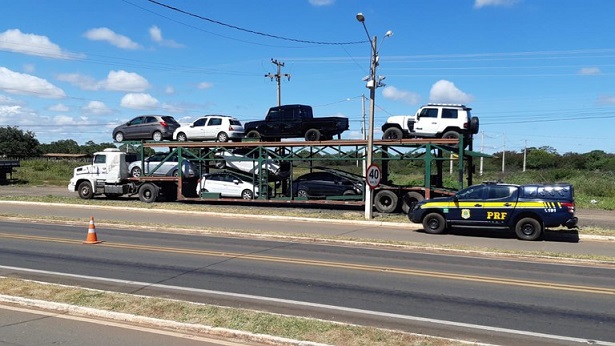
(253, 31)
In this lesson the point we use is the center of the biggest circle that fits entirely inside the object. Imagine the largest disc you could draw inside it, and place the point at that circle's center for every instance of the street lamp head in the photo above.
(360, 17)
(388, 33)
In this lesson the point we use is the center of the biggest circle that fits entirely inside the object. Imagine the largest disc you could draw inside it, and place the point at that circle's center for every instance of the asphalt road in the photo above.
(552, 242)
(394, 289)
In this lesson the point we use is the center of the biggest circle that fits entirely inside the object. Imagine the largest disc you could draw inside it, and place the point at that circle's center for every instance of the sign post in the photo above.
(373, 175)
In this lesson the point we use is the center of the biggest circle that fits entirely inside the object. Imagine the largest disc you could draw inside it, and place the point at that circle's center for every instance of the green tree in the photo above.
(63, 146)
(18, 144)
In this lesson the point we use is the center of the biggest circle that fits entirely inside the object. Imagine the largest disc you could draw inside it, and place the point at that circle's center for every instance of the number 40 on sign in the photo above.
(374, 174)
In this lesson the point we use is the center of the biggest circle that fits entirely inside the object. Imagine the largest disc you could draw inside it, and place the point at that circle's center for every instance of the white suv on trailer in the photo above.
(433, 120)
(221, 128)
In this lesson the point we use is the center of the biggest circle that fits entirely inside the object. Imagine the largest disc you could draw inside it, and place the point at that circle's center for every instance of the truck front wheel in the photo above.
(528, 228)
(85, 190)
(434, 223)
(148, 193)
(385, 201)
(312, 135)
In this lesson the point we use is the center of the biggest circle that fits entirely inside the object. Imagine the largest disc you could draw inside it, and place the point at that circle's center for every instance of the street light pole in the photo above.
(372, 84)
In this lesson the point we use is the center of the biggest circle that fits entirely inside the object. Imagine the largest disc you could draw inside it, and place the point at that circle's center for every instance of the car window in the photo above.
(169, 119)
(275, 115)
(235, 122)
(500, 192)
(448, 113)
(100, 159)
(136, 121)
(429, 113)
(200, 122)
(214, 122)
(150, 120)
(471, 193)
(216, 177)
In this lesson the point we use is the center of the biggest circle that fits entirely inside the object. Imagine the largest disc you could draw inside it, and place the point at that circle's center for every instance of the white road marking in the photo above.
(321, 306)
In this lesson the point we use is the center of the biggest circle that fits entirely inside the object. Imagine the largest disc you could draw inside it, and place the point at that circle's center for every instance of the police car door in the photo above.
(466, 208)
(499, 204)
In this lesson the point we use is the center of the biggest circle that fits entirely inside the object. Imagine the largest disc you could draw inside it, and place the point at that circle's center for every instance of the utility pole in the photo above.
(503, 151)
(278, 76)
(524, 155)
(482, 149)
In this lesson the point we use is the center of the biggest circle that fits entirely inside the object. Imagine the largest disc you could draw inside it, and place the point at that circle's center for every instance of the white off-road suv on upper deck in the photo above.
(433, 120)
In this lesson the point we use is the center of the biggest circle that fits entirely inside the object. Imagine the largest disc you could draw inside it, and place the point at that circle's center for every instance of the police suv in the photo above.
(526, 209)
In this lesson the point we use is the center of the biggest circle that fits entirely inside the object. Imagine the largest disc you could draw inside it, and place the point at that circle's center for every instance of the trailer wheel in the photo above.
(434, 223)
(385, 201)
(148, 193)
(312, 135)
(409, 200)
(85, 190)
(528, 228)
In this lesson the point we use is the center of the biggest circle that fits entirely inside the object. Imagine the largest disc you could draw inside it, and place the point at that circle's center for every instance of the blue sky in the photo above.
(536, 72)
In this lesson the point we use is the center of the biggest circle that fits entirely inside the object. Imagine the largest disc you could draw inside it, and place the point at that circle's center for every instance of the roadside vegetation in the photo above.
(200, 317)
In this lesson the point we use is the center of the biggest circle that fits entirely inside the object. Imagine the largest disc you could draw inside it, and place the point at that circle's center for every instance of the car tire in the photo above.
(312, 135)
(247, 194)
(452, 135)
(175, 173)
(157, 136)
(136, 172)
(409, 200)
(349, 193)
(434, 223)
(474, 125)
(181, 137)
(85, 190)
(393, 133)
(385, 201)
(119, 137)
(148, 193)
(253, 134)
(528, 228)
(302, 193)
(222, 137)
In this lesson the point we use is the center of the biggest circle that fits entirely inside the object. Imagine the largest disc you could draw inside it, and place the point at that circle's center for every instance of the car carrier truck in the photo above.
(108, 175)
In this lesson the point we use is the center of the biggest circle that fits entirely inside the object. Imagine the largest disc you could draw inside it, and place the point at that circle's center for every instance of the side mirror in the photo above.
(236, 182)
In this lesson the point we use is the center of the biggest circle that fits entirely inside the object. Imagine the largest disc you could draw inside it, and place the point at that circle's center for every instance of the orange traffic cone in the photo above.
(92, 239)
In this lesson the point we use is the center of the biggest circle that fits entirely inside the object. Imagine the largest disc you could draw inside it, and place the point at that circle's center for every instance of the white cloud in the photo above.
(96, 107)
(115, 81)
(446, 92)
(169, 90)
(205, 85)
(590, 71)
(83, 82)
(29, 68)
(59, 108)
(15, 41)
(139, 101)
(63, 120)
(606, 99)
(125, 81)
(321, 2)
(484, 3)
(156, 35)
(392, 93)
(5, 100)
(107, 35)
(25, 84)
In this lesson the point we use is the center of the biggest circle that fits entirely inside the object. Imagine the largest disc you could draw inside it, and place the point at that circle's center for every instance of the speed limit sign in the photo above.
(374, 174)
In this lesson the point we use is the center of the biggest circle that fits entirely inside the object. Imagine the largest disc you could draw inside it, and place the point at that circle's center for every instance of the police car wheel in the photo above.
(434, 223)
(528, 229)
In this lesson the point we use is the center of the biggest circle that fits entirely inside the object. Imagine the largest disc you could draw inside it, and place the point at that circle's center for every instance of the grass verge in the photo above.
(295, 328)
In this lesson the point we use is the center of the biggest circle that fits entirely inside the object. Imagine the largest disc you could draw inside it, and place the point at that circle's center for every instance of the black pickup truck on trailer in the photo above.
(526, 209)
(294, 121)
